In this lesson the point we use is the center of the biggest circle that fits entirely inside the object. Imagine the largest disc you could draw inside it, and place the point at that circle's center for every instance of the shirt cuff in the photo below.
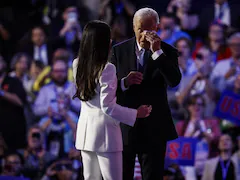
(156, 54)
(122, 85)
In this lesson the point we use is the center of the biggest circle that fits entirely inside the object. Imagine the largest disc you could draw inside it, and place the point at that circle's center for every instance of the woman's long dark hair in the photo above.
(92, 58)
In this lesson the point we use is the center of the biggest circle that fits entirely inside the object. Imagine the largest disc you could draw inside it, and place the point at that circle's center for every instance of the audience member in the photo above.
(224, 166)
(225, 71)
(40, 48)
(199, 83)
(59, 86)
(182, 9)
(36, 158)
(217, 42)
(169, 32)
(45, 76)
(222, 11)
(71, 30)
(13, 165)
(197, 126)
(12, 101)
(20, 65)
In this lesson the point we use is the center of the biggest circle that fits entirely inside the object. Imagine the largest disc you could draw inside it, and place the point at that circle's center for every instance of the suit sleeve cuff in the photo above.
(122, 85)
(156, 54)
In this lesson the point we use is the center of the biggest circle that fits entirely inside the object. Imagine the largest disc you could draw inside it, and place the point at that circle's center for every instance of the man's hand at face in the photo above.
(153, 39)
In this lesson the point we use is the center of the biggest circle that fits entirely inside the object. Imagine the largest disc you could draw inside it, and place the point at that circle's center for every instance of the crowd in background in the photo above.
(38, 116)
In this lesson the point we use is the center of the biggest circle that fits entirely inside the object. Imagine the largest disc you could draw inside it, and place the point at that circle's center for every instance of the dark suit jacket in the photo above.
(149, 133)
(208, 14)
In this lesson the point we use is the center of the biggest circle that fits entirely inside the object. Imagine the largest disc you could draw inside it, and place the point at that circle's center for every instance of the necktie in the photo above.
(141, 61)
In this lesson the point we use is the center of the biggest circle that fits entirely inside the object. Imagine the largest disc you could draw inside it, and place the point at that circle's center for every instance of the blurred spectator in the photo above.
(197, 126)
(36, 158)
(60, 127)
(113, 9)
(62, 170)
(40, 48)
(224, 166)
(60, 85)
(199, 83)
(217, 42)
(222, 11)
(44, 76)
(71, 31)
(12, 101)
(188, 20)
(225, 71)
(119, 30)
(169, 32)
(92, 7)
(13, 165)
(20, 65)
(185, 62)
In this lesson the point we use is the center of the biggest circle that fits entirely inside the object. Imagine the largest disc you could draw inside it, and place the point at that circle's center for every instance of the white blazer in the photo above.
(98, 126)
(211, 166)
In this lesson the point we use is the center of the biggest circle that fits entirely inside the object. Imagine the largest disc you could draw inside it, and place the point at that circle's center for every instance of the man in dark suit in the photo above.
(41, 48)
(146, 66)
(222, 11)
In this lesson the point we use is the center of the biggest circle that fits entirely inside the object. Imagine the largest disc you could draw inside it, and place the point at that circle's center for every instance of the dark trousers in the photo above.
(152, 164)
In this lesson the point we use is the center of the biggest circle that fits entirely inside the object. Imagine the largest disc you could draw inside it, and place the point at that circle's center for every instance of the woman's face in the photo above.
(22, 65)
(203, 58)
(196, 109)
(184, 48)
(216, 33)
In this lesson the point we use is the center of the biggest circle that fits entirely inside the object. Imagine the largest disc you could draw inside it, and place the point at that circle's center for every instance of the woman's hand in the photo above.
(144, 111)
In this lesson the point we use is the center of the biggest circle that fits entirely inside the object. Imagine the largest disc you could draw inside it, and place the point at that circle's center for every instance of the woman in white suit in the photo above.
(98, 132)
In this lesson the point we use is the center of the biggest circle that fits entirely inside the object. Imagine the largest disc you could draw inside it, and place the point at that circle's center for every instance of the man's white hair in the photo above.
(145, 12)
(233, 36)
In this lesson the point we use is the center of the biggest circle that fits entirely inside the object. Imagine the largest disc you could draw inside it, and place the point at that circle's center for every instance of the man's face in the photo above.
(184, 48)
(225, 143)
(167, 23)
(38, 36)
(22, 64)
(142, 24)
(203, 58)
(235, 47)
(34, 138)
(59, 73)
(14, 164)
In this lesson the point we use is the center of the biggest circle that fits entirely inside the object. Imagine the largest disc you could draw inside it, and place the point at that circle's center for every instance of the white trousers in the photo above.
(97, 165)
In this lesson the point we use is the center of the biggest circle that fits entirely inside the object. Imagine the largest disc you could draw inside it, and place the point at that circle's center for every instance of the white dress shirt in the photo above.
(42, 55)
(226, 18)
(140, 58)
